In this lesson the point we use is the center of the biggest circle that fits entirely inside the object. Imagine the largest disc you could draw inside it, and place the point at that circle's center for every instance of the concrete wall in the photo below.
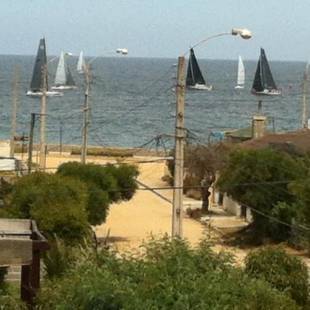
(234, 208)
(231, 206)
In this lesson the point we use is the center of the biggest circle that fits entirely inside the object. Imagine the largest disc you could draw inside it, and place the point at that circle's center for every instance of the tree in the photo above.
(259, 179)
(201, 163)
(167, 274)
(105, 184)
(284, 272)
(56, 203)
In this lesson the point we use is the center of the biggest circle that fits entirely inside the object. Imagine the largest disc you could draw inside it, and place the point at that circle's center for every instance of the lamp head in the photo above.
(243, 32)
(123, 51)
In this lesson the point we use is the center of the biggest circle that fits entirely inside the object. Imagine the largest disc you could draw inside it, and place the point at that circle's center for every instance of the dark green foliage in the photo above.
(259, 179)
(169, 275)
(284, 272)
(105, 185)
(125, 176)
(301, 189)
(55, 202)
(3, 272)
(58, 258)
(91, 174)
(97, 205)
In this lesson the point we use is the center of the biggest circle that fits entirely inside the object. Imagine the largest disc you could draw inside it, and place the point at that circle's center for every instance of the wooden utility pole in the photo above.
(85, 114)
(304, 121)
(177, 212)
(14, 110)
(30, 145)
(42, 160)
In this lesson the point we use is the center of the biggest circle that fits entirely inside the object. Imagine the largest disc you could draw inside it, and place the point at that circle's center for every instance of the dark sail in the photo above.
(257, 83)
(268, 81)
(263, 81)
(69, 78)
(37, 75)
(194, 75)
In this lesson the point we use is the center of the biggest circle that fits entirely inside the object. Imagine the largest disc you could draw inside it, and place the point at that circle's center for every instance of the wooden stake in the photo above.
(14, 110)
(30, 145)
(304, 121)
(177, 212)
(85, 115)
(42, 160)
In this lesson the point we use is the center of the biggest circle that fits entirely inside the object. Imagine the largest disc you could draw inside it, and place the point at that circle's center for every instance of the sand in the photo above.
(131, 222)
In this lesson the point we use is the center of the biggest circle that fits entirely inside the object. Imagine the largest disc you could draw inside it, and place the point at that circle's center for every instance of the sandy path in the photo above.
(131, 222)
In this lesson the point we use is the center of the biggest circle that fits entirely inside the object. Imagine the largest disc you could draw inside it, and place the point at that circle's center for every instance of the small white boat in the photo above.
(37, 80)
(241, 74)
(63, 78)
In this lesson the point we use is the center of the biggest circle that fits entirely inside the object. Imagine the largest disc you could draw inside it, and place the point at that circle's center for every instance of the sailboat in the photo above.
(264, 83)
(241, 74)
(63, 78)
(81, 63)
(194, 77)
(37, 81)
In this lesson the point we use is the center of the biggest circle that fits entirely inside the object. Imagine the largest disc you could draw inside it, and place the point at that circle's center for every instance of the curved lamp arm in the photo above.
(121, 51)
(243, 32)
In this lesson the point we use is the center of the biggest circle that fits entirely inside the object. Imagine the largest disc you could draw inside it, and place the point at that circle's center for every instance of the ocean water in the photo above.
(132, 100)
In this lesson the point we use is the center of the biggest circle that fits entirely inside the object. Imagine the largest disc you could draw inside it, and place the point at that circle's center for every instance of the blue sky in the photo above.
(157, 28)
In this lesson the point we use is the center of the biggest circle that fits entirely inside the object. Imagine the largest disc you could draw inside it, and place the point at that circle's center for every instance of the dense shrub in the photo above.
(105, 185)
(259, 179)
(56, 203)
(169, 275)
(284, 272)
(125, 176)
(58, 258)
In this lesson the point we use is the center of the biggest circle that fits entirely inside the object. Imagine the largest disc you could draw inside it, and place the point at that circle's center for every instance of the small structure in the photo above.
(21, 243)
(258, 126)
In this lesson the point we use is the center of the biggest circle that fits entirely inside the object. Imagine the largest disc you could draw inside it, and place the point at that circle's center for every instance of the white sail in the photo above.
(241, 74)
(60, 78)
(81, 63)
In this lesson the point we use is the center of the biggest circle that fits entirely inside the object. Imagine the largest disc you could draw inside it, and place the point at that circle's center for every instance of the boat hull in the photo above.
(267, 92)
(200, 87)
(49, 93)
(63, 87)
(239, 87)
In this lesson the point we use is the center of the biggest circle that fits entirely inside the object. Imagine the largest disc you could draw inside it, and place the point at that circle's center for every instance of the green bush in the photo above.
(257, 178)
(125, 176)
(169, 275)
(58, 258)
(284, 272)
(56, 203)
(105, 185)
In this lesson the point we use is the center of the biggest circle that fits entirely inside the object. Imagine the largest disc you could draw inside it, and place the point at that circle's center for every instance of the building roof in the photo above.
(297, 141)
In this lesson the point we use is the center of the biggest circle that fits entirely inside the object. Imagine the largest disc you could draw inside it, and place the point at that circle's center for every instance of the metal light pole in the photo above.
(177, 209)
(86, 107)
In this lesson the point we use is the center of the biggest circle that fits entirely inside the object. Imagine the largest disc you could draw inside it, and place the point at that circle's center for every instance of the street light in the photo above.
(87, 69)
(177, 212)
(121, 51)
(242, 32)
